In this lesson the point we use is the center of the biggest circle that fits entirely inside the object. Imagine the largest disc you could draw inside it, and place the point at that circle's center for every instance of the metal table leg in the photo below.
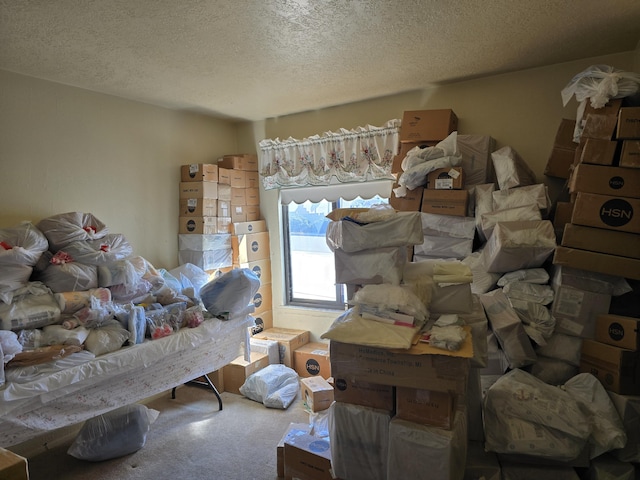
(207, 383)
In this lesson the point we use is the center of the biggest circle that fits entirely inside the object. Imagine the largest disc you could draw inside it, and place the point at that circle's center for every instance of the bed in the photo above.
(82, 387)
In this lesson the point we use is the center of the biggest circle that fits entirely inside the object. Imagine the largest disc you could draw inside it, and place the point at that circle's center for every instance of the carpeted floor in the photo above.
(190, 439)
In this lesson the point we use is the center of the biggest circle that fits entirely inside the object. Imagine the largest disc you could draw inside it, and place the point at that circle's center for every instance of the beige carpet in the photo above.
(191, 439)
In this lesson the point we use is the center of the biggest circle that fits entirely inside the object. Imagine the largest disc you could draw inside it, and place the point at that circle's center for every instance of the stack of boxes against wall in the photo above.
(599, 230)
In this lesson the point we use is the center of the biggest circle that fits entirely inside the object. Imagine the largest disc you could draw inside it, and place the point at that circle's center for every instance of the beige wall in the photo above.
(65, 149)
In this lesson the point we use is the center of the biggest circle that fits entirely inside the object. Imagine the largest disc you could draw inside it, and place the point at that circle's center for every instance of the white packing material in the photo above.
(443, 247)
(112, 247)
(58, 335)
(275, 386)
(476, 158)
(417, 175)
(563, 347)
(450, 226)
(589, 281)
(359, 441)
(524, 415)
(508, 329)
(536, 319)
(553, 371)
(607, 432)
(536, 194)
(444, 148)
(120, 272)
(479, 324)
(9, 345)
(511, 169)
(483, 201)
(525, 212)
(207, 259)
(109, 337)
(65, 228)
(399, 298)
(538, 276)
(378, 265)
(71, 302)
(33, 306)
(417, 450)
(520, 244)
(22, 244)
(270, 348)
(12, 278)
(69, 277)
(628, 408)
(529, 292)
(402, 229)
(190, 241)
(483, 281)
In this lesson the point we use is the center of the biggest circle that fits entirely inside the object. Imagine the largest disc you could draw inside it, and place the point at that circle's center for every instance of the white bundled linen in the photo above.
(65, 228)
(423, 451)
(121, 272)
(231, 294)
(518, 245)
(511, 169)
(536, 194)
(447, 225)
(109, 337)
(112, 247)
(508, 329)
(33, 306)
(536, 319)
(607, 432)
(275, 386)
(402, 229)
(21, 245)
(444, 247)
(444, 148)
(399, 298)
(526, 212)
(378, 265)
(529, 292)
(69, 277)
(529, 275)
(359, 441)
(524, 415)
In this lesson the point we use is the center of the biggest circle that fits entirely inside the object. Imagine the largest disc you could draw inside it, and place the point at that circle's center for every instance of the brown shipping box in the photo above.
(425, 407)
(601, 240)
(563, 151)
(597, 262)
(604, 211)
(307, 456)
(201, 225)
(598, 152)
(446, 179)
(239, 161)
(292, 430)
(198, 207)
(264, 320)
(262, 300)
(618, 330)
(618, 181)
(316, 393)
(427, 125)
(617, 369)
(199, 172)
(312, 359)
(630, 154)
(411, 202)
(351, 390)
(236, 372)
(288, 339)
(445, 202)
(250, 247)
(599, 126)
(628, 123)
(198, 190)
(261, 268)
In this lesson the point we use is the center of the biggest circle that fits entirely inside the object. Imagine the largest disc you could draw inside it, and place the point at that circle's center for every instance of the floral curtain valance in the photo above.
(358, 155)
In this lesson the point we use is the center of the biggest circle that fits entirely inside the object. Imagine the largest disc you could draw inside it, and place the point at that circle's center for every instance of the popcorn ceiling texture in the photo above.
(260, 59)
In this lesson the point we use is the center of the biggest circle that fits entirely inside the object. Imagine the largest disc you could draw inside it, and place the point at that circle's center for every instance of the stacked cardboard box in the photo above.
(238, 195)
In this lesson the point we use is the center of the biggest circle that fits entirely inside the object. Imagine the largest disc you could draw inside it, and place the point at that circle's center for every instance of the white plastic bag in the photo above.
(275, 386)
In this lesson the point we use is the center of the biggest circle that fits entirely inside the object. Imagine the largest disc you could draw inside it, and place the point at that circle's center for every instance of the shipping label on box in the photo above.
(250, 247)
(351, 390)
(618, 181)
(198, 207)
(199, 172)
(312, 360)
(630, 154)
(628, 123)
(618, 330)
(425, 407)
(262, 299)
(289, 340)
(427, 125)
(605, 211)
(576, 310)
(446, 179)
(316, 393)
(198, 190)
(445, 202)
(238, 214)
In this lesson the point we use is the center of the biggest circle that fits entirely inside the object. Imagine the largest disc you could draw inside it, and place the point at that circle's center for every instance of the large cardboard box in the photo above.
(238, 196)
(576, 310)
(241, 161)
(253, 212)
(207, 259)
(421, 366)
(425, 407)
(261, 268)
(224, 208)
(264, 321)
(316, 393)
(252, 196)
(563, 151)
(601, 240)
(618, 181)
(312, 359)
(446, 179)
(289, 340)
(630, 154)
(597, 262)
(598, 152)
(198, 225)
(262, 300)
(224, 176)
(292, 430)
(445, 202)
(13, 466)
(618, 330)
(198, 190)
(605, 211)
(250, 247)
(351, 390)
(198, 207)
(238, 214)
(411, 202)
(238, 370)
(427, 125)
(307, 457)
(617, 369)
(224, 192)
(628, 123)
(599, 126)
(199, 172)
(252, 179)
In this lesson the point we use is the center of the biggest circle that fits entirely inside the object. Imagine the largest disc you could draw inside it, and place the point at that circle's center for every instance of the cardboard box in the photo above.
(427, 125)
(618, 330)
(604, 211)
(599, 126)
(445, 202)
(597, 262)
(261, 268)
(262, 299)
(238, 196)
(293, 429)
(240, 161)
(630, 154)
(253, 213)
(617, 369)
(446, 179)
(316, 393)
(224, 192)
(628, 123)
(600, 240)
(576, 310)
(562, 217)
(252, 196)
(200, 225)
(307, 457)
(618, 181)
(206, 259)
(252, 179)
(198, 207)
(351, 390)
(13, 466)
(598, 152)
(199, 172)
(564, 134)
(264, 321)
(238, 370)
(224, 176)
(411, 202)
(425, 407)
(420, 366)
(250, 247)
(218, 241)
(237, 179)
(224, 224)
(238, 214)
(289, 340)
(612, 107)
(224, 208)
(559, 162)
(312, 359)
(198, 190)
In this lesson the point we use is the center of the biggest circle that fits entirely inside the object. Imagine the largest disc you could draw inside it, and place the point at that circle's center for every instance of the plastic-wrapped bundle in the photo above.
(525, 212)
(107, 249)
(33, 306)
(275, 386)
(69, 277)
(231, 294)
(511, 169)
(71, 302)
(12, 278)
(536, 194)
(21, 245)
(65, 228)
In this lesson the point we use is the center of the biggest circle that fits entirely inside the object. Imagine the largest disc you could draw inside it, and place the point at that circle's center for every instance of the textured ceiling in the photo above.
(256, 59)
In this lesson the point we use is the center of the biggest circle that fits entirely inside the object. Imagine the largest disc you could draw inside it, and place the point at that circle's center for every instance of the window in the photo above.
(309, 262)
